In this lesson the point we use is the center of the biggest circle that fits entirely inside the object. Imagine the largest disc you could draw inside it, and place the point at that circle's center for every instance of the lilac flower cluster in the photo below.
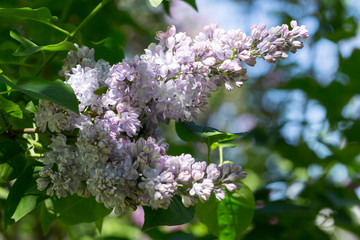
(117, 156)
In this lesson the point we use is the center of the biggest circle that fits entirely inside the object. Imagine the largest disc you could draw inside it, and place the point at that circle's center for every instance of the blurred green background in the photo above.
(302, 115)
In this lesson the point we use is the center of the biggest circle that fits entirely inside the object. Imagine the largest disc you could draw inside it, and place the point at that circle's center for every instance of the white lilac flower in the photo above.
(116, 154)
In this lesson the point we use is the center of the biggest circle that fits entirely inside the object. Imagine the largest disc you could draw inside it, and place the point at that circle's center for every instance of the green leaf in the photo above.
(19, 190)
(166, 5)
(176, 214)
(74, 209)
(41, 14)
(99, 224)
(155, 3)
(223, 145)
(10, 107)
(4, 193)
(101, 90)
(192, 3)
(22, 40)
(6, 170)
(28, 47)
(56, 91)
(229, 218)
(25, 206)
(31, 107)
(46, 216)
(190, 132)
(62, 46)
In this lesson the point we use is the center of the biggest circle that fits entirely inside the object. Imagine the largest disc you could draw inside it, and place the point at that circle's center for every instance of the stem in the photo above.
(36, 155)
(25, 130)
(221, 155)
(88, 18)
(209, 149)
(76, 30)
(58, 28)
(8, 91)
(30, 130)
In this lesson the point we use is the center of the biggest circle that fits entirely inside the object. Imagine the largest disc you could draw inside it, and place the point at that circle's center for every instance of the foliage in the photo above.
(35, 40)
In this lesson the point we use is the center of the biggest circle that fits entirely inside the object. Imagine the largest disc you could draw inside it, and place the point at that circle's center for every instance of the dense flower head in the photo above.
(114, 152)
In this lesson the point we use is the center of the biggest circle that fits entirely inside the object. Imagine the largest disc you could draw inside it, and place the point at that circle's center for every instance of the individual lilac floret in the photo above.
(52, 116)
(83, 55)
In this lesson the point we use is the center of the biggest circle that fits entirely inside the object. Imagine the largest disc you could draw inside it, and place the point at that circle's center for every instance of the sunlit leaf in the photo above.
(100, 91)
(155, 3)
(229, 218)
(41, 14)
(25, 206)
(191, 132)
(62, 46)
(55, 91)
(22, 185)
(10, 107)
(46, 216)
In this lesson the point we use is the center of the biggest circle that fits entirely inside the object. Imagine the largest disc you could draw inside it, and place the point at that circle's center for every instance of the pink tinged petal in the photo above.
(209, 61)
(279, 41)
(277, 54)
(297, 44)
(229, 85)
(188, 201)
(244, 55)
(170, 42)
(293, 23)
(220, 194)
(284, 55)
(171, 31)
(230, 186)
(269, 58)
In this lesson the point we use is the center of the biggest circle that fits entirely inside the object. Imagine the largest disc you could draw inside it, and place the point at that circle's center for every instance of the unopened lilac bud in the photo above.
(269, 58)
(264, 45)
(188, 201)
(297, 44)
(304, 32)
(277, 54)
(219, 194)
(171, 31)
(230, 186)
(42, 183)
(275, 30)
(213, 172)
(244, 55)
(284, 55)
(255, 32)
(293, 23)
(279, 41)
(251, 61)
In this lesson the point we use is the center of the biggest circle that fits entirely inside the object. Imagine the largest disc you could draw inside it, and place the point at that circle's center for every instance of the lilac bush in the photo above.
(118, 155)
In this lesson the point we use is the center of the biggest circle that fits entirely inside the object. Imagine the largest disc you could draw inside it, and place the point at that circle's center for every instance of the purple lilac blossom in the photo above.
(117, 156)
